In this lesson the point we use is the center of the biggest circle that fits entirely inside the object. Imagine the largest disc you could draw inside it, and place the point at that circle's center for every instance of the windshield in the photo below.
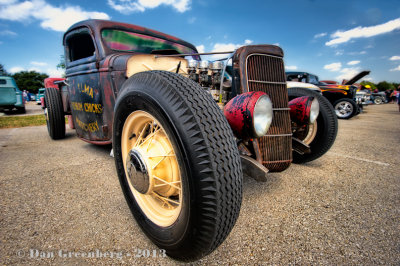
(134, 42)
(312, 79)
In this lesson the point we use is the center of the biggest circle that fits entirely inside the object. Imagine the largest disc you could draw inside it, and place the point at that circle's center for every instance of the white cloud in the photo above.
(7, 2)
(363, 32)
(358, 53)
(354, 62)
(35, 63)
(54, 72)
(339, 52)
(348, 73)
(319, 35)
(333, 67)
(226, 47)
(35, 69)
(277, 44)
(50, 17)
(291, 67)
(7, 33)
(395, 57)
(192, 20)
(15, 11)
(200, 48)
(130, 6)
(396, 68)
(16, 69)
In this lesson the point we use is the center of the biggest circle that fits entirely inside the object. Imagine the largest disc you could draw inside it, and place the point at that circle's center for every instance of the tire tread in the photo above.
(330, 126)
(56, 122)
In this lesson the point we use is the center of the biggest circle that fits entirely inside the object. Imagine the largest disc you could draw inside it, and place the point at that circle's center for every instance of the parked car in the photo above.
(342, 97)
(378, 97)
(32, 97)
(10, 95)
(40, 96)
(294, 81)
(183, 128)
(363, 98)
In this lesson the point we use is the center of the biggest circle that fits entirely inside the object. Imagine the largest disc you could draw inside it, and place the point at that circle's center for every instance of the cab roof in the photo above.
(96, 25)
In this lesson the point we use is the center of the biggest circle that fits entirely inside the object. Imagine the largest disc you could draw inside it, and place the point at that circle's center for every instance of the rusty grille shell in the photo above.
(262, 69)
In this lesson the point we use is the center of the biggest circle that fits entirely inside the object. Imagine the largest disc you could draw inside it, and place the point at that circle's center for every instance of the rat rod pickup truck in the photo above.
(182, 129)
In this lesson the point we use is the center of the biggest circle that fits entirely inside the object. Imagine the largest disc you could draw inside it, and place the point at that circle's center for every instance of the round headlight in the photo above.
(314, 112)
(262, 115)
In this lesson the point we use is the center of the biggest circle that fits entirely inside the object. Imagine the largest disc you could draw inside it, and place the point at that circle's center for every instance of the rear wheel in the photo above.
(54, 114)
(378, 100)
(177, 163)
(21, 110)
(345, 108)
(320, 135)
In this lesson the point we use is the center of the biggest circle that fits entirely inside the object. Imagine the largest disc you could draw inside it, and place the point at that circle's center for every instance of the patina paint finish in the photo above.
(96, 26)
(94, 80)
(51, 82)
(300, 109)
(239, 113)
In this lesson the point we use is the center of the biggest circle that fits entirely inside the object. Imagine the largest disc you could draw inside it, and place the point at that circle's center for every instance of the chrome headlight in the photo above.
(262, 115)
(314, 112)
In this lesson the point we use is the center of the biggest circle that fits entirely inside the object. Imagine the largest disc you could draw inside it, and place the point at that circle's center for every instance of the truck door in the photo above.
(84, 89)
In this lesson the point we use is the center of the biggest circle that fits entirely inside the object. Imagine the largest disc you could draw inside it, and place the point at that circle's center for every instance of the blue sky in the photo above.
(332, 39)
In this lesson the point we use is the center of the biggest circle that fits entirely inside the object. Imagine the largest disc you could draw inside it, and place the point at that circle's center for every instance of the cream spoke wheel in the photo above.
(311, 133)
(167, 183)
(151, 168)
(177, 163)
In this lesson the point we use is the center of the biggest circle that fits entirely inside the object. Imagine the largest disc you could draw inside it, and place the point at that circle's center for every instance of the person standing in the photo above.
(393, 96)
(398, 97)
(387, 93)
(25, 95)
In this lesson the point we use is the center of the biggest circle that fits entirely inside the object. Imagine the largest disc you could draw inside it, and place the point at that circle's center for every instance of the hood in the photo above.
(357, 77)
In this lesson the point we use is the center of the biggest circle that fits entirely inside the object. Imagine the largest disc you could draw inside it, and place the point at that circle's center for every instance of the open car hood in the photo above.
(357, 77)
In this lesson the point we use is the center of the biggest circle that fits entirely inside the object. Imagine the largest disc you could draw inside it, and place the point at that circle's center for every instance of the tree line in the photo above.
(31, 81)
(382, 86)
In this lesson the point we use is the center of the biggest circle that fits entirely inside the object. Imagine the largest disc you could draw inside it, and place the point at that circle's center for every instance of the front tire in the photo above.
(320, 135)
(345, 108)
(177, 163)
(54, 114)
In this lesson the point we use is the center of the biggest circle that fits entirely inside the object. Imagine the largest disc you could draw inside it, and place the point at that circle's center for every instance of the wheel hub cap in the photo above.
(137, 172)
(343, 109)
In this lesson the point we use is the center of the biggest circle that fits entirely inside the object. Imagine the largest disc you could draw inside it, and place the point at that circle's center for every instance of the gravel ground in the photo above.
(343, 208)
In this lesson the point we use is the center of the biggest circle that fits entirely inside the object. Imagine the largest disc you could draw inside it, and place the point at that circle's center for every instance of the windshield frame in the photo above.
(147, 38)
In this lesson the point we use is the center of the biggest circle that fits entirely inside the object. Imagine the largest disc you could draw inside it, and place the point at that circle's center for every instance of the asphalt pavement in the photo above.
(61, 201)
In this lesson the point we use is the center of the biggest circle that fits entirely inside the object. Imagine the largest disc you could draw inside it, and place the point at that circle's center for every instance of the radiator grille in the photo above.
(266, 73)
